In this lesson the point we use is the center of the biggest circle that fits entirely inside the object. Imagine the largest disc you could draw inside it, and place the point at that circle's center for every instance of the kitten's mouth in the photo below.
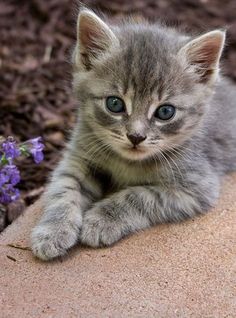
(134, 152)
(135, 148)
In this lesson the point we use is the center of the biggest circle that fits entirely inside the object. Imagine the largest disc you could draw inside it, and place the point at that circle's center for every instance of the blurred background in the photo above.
(36, 37)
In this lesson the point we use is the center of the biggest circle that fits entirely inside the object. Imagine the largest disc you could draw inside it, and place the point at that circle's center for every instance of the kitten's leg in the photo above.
(69, 193)
(139, 207)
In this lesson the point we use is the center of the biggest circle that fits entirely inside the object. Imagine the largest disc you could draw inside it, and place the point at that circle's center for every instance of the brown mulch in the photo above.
(36, 38)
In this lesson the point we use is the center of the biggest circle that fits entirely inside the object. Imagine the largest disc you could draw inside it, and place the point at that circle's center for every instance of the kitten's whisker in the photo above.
(176, 165)
(95, 152)
(155, 157)
(181, 149)
(171, 169)
(186, 155)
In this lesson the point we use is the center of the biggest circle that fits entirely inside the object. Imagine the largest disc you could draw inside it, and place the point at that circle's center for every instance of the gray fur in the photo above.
(103, 190)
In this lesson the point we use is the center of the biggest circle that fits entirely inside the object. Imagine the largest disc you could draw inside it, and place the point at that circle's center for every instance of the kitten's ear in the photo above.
(94, 37)
(203, 54)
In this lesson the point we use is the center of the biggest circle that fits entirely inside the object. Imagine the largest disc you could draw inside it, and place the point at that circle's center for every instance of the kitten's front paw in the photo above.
(52, 240)
(100, 229)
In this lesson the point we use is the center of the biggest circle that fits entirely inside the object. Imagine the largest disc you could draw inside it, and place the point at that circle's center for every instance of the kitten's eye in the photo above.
(165, 112)
(115, 104)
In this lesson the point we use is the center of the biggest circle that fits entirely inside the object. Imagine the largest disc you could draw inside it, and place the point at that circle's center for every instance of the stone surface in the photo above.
(174, 270)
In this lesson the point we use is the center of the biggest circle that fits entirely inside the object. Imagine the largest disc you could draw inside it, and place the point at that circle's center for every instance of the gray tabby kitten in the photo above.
(156, 131)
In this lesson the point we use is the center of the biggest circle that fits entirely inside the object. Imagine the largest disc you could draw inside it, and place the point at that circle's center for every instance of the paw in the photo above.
(100, 229)
(52, 240)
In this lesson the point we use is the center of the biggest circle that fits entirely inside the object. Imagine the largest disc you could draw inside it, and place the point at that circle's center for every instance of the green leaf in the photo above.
(24, 151)
(4, 160)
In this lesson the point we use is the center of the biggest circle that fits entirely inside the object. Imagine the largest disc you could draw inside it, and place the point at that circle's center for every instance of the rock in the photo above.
(172, 270)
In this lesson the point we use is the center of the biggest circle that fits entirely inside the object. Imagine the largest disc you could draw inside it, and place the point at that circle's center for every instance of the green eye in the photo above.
(165, 112)
(115, 104)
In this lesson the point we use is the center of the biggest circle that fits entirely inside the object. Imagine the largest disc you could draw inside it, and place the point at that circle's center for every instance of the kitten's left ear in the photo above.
(94, 37)
(203, 54)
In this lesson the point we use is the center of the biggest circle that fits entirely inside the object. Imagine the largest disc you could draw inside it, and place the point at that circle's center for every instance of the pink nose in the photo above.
(136, 138)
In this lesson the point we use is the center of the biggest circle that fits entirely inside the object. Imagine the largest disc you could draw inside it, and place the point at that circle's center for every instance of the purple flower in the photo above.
(9, 177)
(10, 148)
(9, 173)
(36, 149)
(4, 178)
(14, 174)
(9, 194)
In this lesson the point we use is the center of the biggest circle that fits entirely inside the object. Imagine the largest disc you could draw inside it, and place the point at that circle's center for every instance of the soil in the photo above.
(36, 39)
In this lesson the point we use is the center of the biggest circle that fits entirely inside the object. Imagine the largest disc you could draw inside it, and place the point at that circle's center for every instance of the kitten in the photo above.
(156, 131)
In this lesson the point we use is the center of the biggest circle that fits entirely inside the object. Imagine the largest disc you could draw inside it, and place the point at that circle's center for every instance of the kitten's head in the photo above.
(143, 89)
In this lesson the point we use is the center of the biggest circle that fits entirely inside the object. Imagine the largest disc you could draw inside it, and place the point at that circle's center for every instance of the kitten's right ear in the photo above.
(203, 54)
(94, 37)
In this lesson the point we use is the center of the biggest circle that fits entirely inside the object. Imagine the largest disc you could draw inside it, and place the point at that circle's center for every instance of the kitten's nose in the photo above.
(136, 138)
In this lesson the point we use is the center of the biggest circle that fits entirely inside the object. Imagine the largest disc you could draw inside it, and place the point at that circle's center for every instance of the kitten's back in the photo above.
(220, 125)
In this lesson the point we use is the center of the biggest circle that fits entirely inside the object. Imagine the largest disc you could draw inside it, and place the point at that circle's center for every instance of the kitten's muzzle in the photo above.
(136, 139)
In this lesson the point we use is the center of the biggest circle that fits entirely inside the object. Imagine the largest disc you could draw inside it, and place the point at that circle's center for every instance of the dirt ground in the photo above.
(36, 38)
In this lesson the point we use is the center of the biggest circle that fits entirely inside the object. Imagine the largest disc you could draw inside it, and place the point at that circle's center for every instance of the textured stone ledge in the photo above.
(175, 270)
